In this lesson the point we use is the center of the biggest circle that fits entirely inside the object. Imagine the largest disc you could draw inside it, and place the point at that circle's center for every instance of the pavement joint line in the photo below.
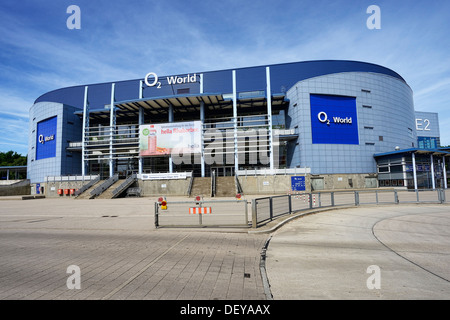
(123, 285)
(398, 253)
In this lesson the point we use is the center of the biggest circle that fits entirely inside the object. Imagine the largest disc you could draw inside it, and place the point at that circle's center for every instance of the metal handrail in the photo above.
(87, 186)
(105, 185)
(131, 179)
(238, 185)
(265, 204)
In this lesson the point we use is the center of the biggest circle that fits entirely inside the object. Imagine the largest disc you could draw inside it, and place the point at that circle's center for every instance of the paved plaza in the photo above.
(367, 253)
(121, 255)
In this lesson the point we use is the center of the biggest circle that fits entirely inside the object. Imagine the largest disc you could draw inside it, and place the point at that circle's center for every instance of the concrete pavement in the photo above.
(384, 252)
(122, 256)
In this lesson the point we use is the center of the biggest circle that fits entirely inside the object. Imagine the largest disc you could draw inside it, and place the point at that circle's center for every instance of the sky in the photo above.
(126, 39)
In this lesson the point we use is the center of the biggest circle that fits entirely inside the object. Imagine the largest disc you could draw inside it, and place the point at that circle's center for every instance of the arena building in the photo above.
(295, 126)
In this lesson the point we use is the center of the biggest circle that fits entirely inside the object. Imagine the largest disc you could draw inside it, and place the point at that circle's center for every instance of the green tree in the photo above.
(12, 158)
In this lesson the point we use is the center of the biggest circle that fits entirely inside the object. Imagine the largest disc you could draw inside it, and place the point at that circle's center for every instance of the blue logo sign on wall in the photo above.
(46, 139)
(298, 183)
(334, 119)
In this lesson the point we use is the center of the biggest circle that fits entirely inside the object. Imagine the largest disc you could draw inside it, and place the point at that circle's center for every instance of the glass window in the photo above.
(383, 169)
(396, 169)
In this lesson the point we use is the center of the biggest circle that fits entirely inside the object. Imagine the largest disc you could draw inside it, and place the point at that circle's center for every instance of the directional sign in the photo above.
(298, 184)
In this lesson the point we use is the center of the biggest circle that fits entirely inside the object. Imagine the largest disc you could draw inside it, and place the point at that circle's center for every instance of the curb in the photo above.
(296, 216)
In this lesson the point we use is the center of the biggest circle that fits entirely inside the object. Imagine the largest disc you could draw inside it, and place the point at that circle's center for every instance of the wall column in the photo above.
(112, 128)
(269, 114)
(83, 135)
(141, 121)
(202, 119)
(170, 120)
(236, 162)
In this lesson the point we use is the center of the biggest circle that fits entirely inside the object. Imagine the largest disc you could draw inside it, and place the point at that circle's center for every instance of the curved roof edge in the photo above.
(350, 66)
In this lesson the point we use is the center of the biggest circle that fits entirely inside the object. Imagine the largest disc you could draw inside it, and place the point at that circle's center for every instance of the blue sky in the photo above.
(121, 40)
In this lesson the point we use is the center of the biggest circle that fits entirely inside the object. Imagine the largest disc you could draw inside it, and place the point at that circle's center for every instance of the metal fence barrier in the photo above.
(269, 208)
(220, 213)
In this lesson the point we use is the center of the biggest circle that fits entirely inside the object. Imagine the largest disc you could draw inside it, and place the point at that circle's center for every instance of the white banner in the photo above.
(163, 176)
(165, 138)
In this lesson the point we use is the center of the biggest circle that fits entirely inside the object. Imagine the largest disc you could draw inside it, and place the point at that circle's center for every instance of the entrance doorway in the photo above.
(225, 171)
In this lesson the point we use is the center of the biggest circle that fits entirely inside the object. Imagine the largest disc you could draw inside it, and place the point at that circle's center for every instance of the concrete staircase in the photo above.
(201, 187)
(108, 193)
(87, 194)
(225, 187)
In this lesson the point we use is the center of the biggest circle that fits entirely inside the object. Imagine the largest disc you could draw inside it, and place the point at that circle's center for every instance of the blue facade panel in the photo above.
(218, 82)
(334, 120)
(46, 138)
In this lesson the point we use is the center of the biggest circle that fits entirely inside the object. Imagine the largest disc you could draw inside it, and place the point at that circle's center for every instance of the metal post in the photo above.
(290, 204)
(254, 214)
(433, 183)
(356, 198)
(200, 214)
(332, 199)
(156, 215)
(271, 208)
(414, 169)
(246, 211)
(445, 172)
(396, 197)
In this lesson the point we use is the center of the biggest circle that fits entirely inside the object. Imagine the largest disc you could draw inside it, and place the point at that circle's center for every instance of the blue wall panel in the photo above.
(46, 139)
(334, 120)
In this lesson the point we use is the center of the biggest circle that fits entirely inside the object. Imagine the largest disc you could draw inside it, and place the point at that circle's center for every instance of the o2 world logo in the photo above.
(323, 118)
(43, 140)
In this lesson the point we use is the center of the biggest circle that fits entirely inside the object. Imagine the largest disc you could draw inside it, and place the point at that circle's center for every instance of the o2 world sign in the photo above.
(334, 119)
(151, 79)
(46, 138)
